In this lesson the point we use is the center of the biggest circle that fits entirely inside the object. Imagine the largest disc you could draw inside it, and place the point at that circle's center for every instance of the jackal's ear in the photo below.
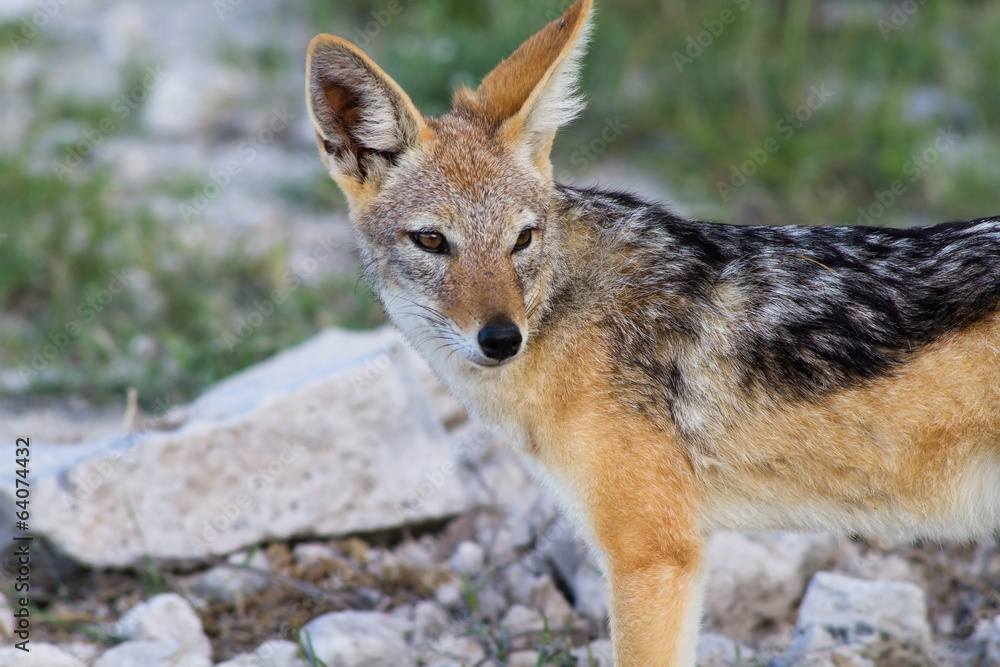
(532, 93)
(363, 119)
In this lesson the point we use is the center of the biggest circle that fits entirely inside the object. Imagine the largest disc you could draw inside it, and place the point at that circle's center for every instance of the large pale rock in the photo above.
(850, 621)
(358, 639)
(329, 438)
(755, 579)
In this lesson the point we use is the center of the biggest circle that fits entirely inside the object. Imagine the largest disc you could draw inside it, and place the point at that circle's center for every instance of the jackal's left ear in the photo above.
(532, 93)
(363, 119)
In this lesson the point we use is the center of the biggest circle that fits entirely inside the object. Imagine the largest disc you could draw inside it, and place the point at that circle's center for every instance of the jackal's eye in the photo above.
(524, 239)
(430, 241)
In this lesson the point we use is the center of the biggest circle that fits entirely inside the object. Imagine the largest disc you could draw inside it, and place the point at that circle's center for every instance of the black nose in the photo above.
(500, 339)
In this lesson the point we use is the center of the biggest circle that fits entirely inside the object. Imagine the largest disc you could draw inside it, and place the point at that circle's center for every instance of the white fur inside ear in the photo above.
(558, 102)
(375, 121)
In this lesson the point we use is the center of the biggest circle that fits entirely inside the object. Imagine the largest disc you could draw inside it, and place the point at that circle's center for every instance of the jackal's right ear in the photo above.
(363, 119)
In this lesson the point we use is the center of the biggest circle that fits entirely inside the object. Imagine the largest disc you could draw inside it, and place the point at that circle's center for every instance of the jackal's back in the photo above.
(794, 311)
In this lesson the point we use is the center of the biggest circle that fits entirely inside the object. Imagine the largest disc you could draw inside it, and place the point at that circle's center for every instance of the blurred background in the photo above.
(165, 220)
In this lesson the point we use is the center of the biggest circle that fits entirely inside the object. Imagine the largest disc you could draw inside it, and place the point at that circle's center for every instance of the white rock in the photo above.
(598, 653)
(241, 578)
(468, 558)
(892, 608)
(523, 659)
(307, 554)
(150, 653)
(756, 578)
(859, 621)
(715, 650)
(430, 621)
(166, 618)
(329, 438)
(193, 97)
(40, 655)
(273, 653)
(523, 625)
(358, 639)
(591, 590)
(549, 600)
(992, 656)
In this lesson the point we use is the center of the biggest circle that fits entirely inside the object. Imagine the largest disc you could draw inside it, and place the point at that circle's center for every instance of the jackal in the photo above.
(667, 378)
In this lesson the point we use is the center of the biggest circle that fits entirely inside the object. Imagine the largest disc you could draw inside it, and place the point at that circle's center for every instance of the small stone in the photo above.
(591, 591)
(430, 621)
(309, 554)
(273, 653)
(358, 639)
(992, 657)
(151, 653)
(468, 558)
(523, 659)
(40, 655)
(242, 578)
(449, 594)
(598, 653)
(715, 650)
(169, 618)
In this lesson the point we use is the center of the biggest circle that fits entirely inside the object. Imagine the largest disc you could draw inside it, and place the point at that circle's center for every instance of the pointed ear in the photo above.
(532, 93)
(363, 119)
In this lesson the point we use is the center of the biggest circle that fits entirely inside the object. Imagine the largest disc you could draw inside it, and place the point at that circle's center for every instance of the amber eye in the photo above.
(430, 241)
(523, 239)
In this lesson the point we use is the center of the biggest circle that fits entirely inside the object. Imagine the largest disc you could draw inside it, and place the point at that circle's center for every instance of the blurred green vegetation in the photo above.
(696, 90)
(122, 301)
(898, 73)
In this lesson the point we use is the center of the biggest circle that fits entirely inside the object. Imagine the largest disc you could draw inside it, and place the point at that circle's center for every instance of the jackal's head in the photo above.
(453, 215)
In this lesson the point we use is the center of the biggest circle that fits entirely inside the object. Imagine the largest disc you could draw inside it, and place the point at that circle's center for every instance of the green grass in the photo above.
(182, 317)
(692, 122)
